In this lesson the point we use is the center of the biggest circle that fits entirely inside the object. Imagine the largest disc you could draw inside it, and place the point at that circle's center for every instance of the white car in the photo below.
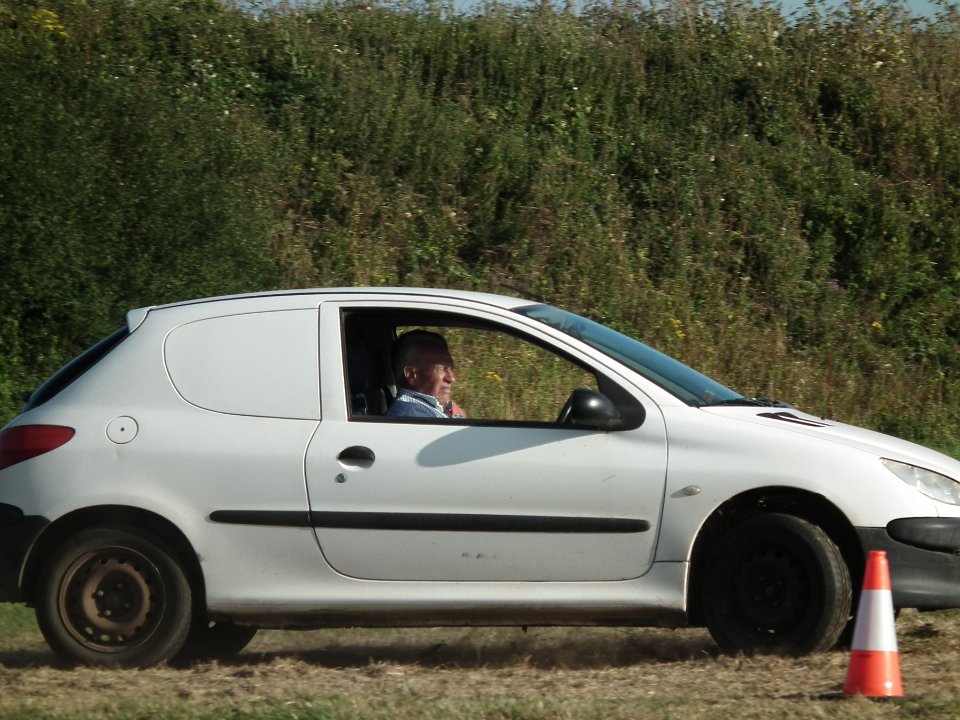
(225, 464)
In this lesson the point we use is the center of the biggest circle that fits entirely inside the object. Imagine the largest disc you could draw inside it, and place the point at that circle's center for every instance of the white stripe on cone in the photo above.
(874, 629)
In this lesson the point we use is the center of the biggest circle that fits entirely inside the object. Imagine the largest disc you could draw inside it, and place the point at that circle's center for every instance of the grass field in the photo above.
(461, 673)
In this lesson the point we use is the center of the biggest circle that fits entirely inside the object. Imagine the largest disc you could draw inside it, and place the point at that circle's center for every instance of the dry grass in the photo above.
(495, 673)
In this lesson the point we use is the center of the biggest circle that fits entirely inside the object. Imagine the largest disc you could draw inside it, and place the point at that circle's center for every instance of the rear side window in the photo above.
(261, 364)
(74, 369)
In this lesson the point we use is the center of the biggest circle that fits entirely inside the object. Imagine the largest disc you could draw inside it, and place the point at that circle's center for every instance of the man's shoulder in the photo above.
(412, 404)
(405, 408)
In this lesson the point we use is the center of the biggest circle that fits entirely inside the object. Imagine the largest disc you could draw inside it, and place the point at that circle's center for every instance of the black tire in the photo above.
(114, 598)
(776, 584)
(211, 640)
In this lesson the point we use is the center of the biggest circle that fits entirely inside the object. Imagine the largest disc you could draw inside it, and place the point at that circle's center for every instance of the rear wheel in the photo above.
(112, 597)
(776, 584)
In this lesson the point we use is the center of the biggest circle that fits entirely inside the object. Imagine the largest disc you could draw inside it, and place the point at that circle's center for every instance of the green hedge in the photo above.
(773, 200)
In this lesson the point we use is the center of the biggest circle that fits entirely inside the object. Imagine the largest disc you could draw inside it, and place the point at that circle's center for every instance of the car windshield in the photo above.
(692, 387)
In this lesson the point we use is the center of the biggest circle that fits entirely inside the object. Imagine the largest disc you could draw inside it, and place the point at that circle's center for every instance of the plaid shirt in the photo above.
(410, 403)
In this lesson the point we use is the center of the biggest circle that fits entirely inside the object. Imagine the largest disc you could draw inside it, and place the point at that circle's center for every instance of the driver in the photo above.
(423, 369)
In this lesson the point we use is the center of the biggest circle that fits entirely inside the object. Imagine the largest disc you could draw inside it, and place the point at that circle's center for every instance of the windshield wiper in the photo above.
(757, 402)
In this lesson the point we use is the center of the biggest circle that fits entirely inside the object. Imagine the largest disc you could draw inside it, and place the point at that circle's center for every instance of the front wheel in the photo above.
(776, 584)
(109, 597)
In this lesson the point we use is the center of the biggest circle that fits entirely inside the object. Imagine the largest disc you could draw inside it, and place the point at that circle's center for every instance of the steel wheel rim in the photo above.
(772, 591)
(110, 599)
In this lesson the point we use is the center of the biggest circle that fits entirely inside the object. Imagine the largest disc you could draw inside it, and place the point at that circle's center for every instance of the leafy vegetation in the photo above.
(773, 200)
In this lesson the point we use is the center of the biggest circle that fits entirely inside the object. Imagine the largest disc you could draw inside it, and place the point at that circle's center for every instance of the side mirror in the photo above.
(592, 409)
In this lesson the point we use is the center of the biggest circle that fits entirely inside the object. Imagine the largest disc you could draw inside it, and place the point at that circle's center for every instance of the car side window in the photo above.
(485, 373)
(500, 377)
(234, 364)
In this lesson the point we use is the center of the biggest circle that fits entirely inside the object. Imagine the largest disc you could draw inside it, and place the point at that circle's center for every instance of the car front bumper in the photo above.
(924, 558)
(17, 535)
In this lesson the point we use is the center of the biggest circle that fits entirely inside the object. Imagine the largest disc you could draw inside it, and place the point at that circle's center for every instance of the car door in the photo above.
(481, 499)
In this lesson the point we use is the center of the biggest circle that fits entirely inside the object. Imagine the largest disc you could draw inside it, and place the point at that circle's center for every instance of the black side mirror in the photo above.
(592, 409)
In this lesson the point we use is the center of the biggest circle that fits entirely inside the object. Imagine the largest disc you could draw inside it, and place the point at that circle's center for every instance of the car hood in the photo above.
(869, 441)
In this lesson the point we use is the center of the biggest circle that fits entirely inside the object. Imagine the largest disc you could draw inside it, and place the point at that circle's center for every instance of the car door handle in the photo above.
(356, 457)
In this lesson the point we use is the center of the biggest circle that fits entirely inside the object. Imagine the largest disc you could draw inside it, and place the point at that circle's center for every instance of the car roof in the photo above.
(505, 302)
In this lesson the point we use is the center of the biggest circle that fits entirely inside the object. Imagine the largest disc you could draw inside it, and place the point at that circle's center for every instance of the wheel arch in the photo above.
(812, 507)
(119, 516)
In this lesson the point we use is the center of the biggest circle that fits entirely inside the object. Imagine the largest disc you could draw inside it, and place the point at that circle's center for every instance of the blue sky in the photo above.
(922, 8)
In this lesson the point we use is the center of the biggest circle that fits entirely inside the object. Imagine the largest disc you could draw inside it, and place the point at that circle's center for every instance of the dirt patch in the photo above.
(675, 673)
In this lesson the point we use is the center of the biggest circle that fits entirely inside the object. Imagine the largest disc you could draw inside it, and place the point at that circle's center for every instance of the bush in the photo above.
(121, 188)
(771, 199)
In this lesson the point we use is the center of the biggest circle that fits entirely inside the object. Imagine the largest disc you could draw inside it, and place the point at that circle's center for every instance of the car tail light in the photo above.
(23, 442)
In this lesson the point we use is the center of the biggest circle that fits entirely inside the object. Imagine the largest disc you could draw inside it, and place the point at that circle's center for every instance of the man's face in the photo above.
(432, 374)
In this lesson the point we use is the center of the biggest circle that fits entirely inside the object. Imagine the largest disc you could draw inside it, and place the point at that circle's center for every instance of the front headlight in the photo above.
(932, 484)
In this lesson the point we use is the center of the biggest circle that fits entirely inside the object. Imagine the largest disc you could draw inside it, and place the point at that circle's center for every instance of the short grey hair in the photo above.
(409, 346)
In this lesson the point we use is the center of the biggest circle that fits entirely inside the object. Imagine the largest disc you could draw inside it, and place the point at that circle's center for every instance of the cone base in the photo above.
(874, 674)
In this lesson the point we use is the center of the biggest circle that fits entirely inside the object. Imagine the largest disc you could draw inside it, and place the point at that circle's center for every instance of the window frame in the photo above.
(388, 319)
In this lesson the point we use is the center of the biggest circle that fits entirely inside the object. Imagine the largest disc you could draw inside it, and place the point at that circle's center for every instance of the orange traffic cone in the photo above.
(874, 660)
